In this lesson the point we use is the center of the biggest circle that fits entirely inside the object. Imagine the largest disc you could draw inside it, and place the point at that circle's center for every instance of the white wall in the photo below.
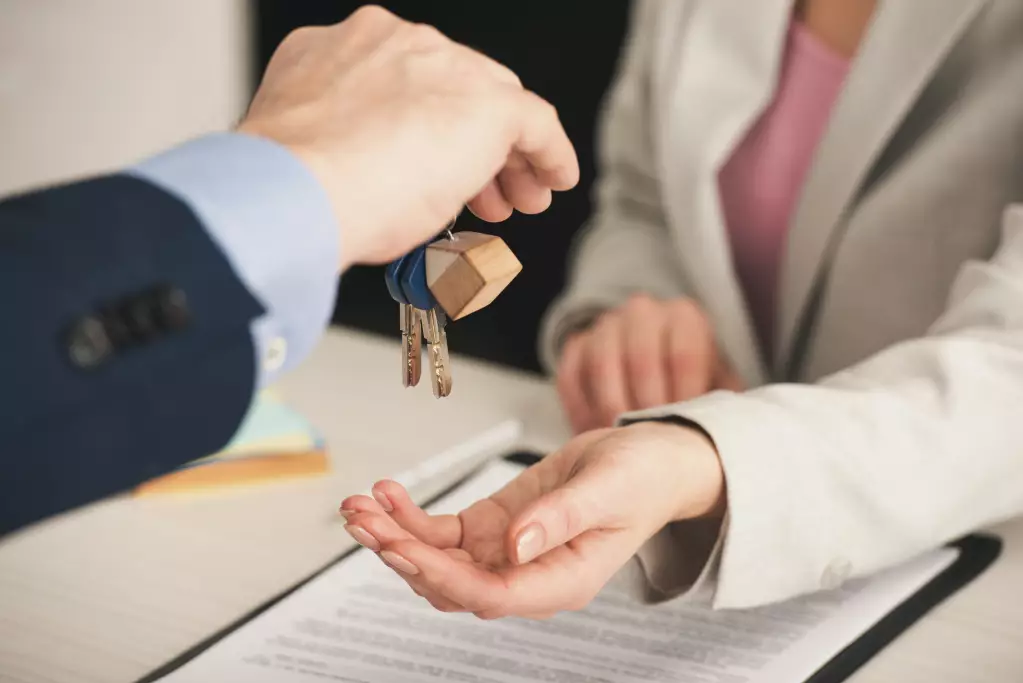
(90, 85)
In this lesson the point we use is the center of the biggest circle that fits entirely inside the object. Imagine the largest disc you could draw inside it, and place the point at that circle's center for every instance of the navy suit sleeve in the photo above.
(125, 343)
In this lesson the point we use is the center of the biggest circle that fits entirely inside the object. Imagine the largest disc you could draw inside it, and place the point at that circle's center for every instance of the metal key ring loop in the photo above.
(451, 224)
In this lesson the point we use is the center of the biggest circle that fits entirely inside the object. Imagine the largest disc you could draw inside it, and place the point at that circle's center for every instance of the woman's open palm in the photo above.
(551, 538)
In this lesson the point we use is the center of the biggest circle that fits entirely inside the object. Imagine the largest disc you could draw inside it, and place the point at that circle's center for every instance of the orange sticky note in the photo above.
(237, 472)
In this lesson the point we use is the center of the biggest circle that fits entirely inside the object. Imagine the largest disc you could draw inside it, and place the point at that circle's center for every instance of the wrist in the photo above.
(690, 459)
(347, 253)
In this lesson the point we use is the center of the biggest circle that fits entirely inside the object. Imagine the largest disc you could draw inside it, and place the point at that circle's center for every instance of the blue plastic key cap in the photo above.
(413, 280)
(392, 278)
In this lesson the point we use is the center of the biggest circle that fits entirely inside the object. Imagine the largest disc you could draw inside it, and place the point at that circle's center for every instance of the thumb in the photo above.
(559, 516)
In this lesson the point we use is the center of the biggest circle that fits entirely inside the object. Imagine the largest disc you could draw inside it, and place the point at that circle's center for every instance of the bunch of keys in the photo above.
(449, 278)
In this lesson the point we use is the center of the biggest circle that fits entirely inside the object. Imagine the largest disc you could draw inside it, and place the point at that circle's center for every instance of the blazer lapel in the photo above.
(723, 61)
(903, 47)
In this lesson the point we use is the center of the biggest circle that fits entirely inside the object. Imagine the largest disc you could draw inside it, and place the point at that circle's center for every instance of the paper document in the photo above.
(359, 623)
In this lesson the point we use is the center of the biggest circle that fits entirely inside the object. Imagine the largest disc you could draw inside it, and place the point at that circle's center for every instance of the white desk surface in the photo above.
(109, 592)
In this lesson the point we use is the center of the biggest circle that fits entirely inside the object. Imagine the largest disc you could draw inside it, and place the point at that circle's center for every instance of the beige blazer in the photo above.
(895, 417)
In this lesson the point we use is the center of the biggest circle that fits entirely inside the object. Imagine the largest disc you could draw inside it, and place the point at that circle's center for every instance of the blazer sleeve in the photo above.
(911, 448)
(626, 247)
(125, 344)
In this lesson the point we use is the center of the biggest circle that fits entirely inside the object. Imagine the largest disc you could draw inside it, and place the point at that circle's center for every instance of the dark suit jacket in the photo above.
(125, 347)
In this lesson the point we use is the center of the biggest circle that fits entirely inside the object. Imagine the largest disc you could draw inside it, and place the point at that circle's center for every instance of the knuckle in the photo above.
(513, 78)
(372, 13)
(299, 37)
(425, 35)
(550, 112)
(687, 312)
(608, 318)
(641, 302)
(607, 331)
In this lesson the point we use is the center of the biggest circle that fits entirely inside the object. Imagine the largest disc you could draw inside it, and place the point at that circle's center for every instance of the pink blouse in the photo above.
(761, 183)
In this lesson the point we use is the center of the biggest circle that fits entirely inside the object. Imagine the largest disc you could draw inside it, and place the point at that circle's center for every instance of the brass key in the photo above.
(433, 322)
(411, 341)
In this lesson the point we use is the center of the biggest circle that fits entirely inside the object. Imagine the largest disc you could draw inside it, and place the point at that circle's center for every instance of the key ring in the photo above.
(451, 224)
(405, 276)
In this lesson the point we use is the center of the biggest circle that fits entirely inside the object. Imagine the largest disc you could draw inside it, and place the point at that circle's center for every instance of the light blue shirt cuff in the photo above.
(275, 224)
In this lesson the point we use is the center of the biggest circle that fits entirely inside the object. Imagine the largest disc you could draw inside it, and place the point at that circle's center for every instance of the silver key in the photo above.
(437, 343)
(411, 344)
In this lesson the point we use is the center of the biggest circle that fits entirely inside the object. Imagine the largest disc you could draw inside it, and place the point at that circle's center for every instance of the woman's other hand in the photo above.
(643, 354)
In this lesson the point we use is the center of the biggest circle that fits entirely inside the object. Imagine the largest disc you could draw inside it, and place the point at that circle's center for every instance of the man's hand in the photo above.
(402, 127)
(553, 537)
(644, 354)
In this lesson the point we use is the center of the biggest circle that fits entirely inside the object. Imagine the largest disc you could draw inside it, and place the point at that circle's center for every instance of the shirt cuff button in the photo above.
(276, 353)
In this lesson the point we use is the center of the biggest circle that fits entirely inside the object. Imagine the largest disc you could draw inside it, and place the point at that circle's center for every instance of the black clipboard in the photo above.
(976, 553)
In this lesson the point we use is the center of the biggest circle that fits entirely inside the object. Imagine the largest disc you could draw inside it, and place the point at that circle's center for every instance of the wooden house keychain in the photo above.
(449, 278)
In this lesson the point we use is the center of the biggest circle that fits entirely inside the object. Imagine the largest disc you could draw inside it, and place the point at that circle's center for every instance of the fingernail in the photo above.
(398, 562)
(363, 537)
(384, 501)
(529, 542)
(346, 513)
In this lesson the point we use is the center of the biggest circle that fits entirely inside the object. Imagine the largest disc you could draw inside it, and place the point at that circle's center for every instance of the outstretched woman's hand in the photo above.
(555, 535)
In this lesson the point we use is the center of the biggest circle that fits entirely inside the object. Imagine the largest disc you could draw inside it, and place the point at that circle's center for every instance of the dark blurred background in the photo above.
(566, 52)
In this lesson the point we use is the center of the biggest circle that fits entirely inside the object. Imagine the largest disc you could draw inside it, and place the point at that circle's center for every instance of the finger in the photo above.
(518, 184)
(440, 531)
(375, 530)
(437, 601)
(521, 188)
(543, 142)
(552, 521)
(689, 353)
(645, 331)
(359, 503)
(604, 371)
(563, 583)
(570, 383)
(567, 578)
(439, 573)
(582, 504)
(490, 204)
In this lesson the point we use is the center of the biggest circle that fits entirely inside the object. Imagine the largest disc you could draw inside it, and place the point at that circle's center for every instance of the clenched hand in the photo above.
(644, 354)
(403, 126)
